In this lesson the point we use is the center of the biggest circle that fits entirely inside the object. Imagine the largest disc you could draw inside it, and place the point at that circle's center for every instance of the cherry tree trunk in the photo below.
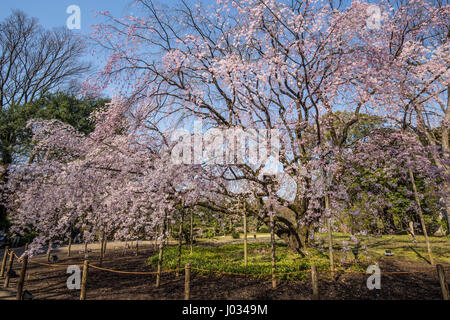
(180, 243)
(292, 234)
(422, 220)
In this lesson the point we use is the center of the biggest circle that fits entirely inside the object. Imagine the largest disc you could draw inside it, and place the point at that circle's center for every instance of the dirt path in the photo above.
(7, 293)
(50, 283)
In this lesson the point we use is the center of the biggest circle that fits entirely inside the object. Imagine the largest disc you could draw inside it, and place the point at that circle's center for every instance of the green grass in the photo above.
(401, 245)
(227, 255)
(230, 258)
(403, 248)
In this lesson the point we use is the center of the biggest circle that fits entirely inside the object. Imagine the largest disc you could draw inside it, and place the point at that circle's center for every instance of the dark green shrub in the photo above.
(235, 235)
(209, 234)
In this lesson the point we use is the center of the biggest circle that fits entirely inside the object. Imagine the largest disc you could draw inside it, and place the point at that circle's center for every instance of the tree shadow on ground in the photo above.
(419, 255)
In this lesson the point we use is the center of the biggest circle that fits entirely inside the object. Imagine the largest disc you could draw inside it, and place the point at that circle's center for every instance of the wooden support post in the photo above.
(315, 282)
(180, 238)
(191, 232)
(422, 220)
(84, 280)
(104, 246)
(101, 249)
(5, 258)
(272, 244)
(26, 249)
(100, 261)
(137, 247)
(69, 247)
(9, 270)
(49, 250)
(411, 230)
(443, 282)
(21, 282)
(245, 237)
(160, 258)
(187, 281)
(330, 236)
(161, 253)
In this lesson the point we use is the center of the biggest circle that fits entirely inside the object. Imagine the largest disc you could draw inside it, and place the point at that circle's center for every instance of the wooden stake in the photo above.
(272, 245)
(315, 282)
(104, 246)
(49, 250)
(180, 242)
(9, 270)
(191, 232)
(160, 258)
(69, 247)
(84, 280)
(5, 258)
(411, 228)
(422, 220)
(330, 237)
(21, 282)
(443, 282)
(187, 281)
(245, 237)
(161, 255)
(101, 249)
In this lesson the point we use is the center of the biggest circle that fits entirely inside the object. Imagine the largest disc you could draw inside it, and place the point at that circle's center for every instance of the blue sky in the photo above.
(52, 13)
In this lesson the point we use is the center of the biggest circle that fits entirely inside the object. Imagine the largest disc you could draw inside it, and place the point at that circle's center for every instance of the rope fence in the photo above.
(133, 272)
(7, 265)
(56, 265)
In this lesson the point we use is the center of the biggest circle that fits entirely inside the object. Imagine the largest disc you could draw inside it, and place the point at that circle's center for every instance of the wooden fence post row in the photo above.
(21, 282)
(315, 282)
(84, 280)
(187, 281)
(443, 282)
(69, 247)
(5, 258)
(9, 270)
